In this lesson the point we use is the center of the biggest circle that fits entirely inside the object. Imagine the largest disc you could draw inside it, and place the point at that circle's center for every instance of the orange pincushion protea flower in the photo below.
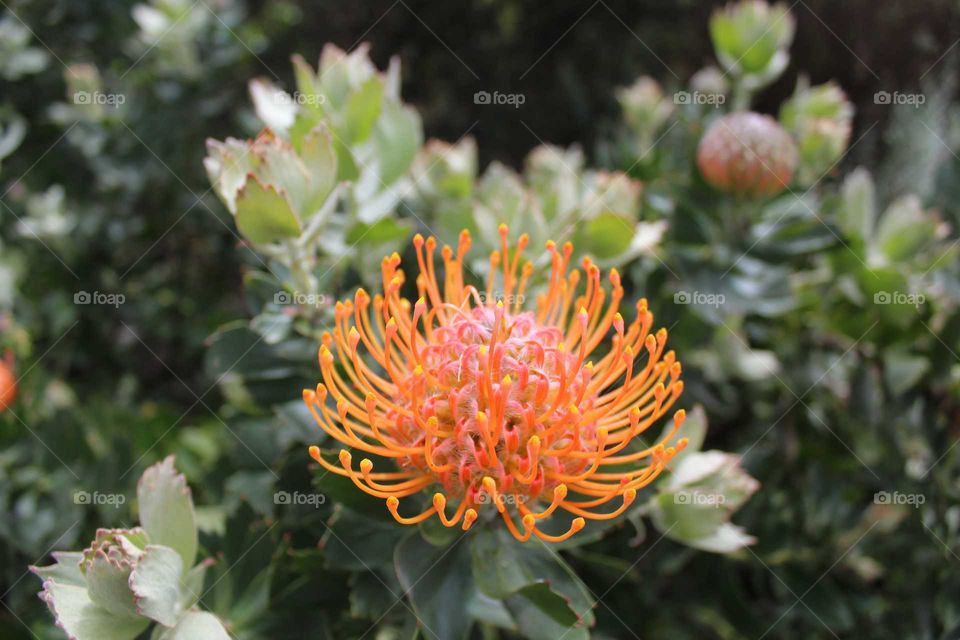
(497, 407)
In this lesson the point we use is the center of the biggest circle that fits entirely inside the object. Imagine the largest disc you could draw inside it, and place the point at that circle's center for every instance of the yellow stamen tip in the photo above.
(560, 492)
(366, 465)
(314, 452)
(578, 524)
(529, 522)
(439, 501)
(392, 503)
(345, 457)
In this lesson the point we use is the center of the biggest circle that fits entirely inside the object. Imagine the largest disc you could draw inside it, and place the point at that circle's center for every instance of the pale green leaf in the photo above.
(155, 582)
(81, 619)
(166, 510)
(264, 215)
(196, 625)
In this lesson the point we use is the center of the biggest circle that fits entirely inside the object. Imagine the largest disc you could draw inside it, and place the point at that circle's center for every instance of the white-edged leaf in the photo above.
(196, 625)
(107, 579)
(155, 583)
(81, 619)
(166, 510)
(65, 569)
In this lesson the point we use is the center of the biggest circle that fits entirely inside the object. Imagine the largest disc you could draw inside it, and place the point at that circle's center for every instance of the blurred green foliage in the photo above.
(819, 329)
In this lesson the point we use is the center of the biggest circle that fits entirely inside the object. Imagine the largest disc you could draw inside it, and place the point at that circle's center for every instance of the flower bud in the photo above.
(820, 118)
(645, 108)
(747, 154)
(107, 564)
(710, 81)
(751, 38)
(8, 385)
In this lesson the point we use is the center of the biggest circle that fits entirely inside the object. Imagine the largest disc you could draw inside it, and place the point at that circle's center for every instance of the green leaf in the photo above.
(371, 595)
(605, 236)
(166, 510)
(502, 566)
(858, 210)
(263, 214)
(65, 569)
(191, 585)
(346, 166)
(155, 582)
(107, 584)
(379, 536)
(320, 160)
(904, 229)
(384, 232)
(196, 625)
(362, 110)
(398, 136)
(542, 614)
(81, 619)
(439, 583)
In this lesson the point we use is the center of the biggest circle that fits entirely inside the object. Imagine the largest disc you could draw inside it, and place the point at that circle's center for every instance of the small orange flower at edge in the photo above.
(496, 407)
